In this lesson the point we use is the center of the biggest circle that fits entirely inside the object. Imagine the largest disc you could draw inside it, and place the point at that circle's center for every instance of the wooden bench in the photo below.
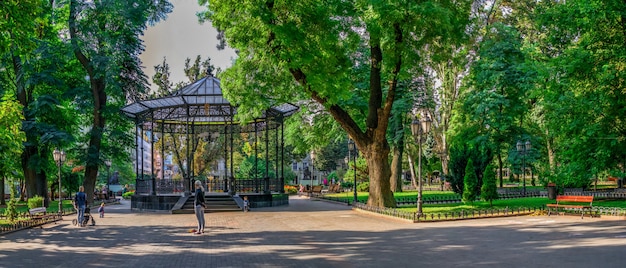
(316, 190)
(572, 201)
(40, 214)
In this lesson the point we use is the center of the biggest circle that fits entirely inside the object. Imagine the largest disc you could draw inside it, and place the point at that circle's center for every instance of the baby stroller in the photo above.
(86, 218)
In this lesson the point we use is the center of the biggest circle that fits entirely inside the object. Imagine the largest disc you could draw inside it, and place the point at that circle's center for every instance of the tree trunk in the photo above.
(2, 202)
(380, 195)
(412, 168)
(551, 156)
(97, 86)
(95, 139)
(500, 170)
(396, 168)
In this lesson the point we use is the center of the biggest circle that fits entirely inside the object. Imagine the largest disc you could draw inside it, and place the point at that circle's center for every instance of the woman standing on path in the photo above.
(199, 206)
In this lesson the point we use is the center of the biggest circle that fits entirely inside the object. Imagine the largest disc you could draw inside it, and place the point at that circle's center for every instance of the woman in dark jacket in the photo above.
(199, 206)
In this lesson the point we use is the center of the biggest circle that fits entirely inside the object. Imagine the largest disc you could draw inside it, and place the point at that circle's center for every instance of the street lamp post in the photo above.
(523, 149)
(313, 155)
(352, 148)
(59, 158)
(419, 128)
(107, 163)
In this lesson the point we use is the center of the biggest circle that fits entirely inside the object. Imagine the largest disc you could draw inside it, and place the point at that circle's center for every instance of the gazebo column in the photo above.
(231, 186)
(186, 173)
(152, 179)
(266, 180)
(282, 155)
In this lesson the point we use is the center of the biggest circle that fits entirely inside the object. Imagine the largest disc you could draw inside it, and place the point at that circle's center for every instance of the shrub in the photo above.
(489, 191)
(35, 202)
(470, 182)
(363, 187)
(127, 195)
(290, 189)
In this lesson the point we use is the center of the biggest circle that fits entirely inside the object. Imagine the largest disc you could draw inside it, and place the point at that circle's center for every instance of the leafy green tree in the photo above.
(105, 39)
(199, 69)
(347, 56)
(247, 171)
(41, 87)
(11, 138)
(489, 191)
(470, 182)
(496, 99)
(161, 78)
(581, 97)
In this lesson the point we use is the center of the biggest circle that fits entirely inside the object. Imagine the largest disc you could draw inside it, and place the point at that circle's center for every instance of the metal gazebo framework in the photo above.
(198, 112)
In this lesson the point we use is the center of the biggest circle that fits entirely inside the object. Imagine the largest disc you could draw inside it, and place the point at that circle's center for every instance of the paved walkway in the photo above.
(316, 234)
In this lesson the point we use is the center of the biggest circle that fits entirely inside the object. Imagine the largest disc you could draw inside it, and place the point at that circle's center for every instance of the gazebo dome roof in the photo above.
(201, 102)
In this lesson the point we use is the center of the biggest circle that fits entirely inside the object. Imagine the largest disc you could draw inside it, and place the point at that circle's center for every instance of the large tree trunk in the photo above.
(95, 139)
(396, 161)
(396, 168)
(377, 155)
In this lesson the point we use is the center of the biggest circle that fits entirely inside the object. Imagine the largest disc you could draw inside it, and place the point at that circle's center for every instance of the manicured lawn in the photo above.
(530, 202)
(409, 195)
(22, 207)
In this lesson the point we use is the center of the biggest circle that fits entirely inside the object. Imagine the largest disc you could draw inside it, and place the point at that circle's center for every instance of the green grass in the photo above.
(363, 196)
(529, 202)
(22, 207)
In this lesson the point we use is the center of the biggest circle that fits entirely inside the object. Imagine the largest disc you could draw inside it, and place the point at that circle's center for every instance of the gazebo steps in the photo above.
(214, 203)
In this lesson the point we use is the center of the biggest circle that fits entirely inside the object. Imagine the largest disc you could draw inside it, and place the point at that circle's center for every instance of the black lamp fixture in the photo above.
(420, 128)
(59, 158)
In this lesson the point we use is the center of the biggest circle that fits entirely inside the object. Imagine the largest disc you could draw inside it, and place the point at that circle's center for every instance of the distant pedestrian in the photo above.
(101, 210)
(199, 206)
(80, 202)
(246, 204)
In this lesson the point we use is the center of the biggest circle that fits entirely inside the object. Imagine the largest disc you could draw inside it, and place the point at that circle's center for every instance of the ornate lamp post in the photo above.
(313, 155)
(107, 163)
(352, 148)
(420, 128)
(523, 149)
(59, 158)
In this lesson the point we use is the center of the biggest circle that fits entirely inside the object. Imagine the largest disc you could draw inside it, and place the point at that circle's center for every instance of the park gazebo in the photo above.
(195, 114)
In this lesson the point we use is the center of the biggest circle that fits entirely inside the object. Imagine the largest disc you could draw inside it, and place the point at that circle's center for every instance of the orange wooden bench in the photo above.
(572, 201)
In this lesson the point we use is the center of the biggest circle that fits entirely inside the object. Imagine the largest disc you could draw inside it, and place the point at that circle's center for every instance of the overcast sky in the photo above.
(179, 37)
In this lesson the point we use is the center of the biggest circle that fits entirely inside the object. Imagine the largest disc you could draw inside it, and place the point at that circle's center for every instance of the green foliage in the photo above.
(35, 202)
(11, 210)
(361, 171)
(11, 135)
(343, 59)
(488, 191)
(128, 195)
(247, 171)
(465, 146)
(363, 187)
(470, 180)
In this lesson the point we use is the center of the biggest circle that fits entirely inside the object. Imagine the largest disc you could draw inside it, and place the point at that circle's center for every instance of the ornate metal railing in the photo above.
(454, 215)
(212, 184)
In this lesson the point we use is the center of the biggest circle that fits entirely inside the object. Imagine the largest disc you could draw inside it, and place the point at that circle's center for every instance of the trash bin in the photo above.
(551, 191)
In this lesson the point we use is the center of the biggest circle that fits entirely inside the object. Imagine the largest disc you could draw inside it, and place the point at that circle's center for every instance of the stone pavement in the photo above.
(310, 233)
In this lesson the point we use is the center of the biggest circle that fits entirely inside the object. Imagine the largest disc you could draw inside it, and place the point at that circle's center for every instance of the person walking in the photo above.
(199, 206)
(80, 202)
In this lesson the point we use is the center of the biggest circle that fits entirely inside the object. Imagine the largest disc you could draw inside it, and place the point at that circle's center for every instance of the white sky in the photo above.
(179, 37)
